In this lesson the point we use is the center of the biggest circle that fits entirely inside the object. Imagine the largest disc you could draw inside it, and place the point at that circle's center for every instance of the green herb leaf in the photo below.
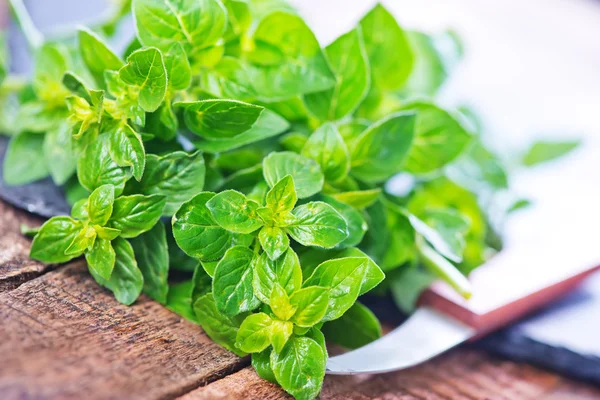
(388, 49)
(178, 175)
(268, 125)
(234, 212)
(306, 174)
(318, 224)
(284, 271)
(95, 168)
(59, 155)
(441, 267)
(179, 300)
(344, 278)
(434, 59)
(221, 328)
(356, 328)
(136, 214)
(544, 151)
(152, 254)
(162, 123)
(300, 367)
(195, 24)
(439, 139)
(82, 242)
(24, 161)
(126, 280)
(401, 243)
(348, 59)
(327, 147)
(311, 305)
(380, 151)
(274, 241)
(53, 239)
(280, 303)
(358, 198)
(280, 333)
(262, 365)
(101, 258)
(407, 286)
(357, 226)
(282, 197)
(127, 150)
(201, 282)
(178, 68)
(197, 232)
(232, 284)
(145, 70)
(100, 204)
(254, 334)
(98, 57)
(51, 62)
(453, 228)
(217, 119)
(300, 66)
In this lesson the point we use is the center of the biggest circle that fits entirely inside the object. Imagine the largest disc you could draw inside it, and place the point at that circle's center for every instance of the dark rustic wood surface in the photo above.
(64, 337)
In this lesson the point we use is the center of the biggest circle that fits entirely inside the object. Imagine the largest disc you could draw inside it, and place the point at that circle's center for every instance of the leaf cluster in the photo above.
(296, 177)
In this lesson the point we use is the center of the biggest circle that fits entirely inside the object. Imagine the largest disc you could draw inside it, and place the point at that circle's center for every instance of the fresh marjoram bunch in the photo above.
(277, 162)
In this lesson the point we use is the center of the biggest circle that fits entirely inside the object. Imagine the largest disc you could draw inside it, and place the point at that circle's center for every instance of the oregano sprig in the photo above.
(277, 161)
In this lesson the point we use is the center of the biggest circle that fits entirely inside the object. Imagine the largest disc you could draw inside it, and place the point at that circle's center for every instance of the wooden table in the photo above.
(64, 337)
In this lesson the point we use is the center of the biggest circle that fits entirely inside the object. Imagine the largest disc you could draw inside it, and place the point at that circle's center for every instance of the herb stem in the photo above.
(33, 36)
(444, 269)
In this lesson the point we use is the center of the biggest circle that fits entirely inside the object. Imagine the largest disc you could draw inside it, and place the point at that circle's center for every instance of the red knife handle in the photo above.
(511, 285)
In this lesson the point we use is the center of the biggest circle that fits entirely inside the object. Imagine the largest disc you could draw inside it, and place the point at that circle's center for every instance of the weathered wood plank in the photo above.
(64, 337)
(461, 374)
(245, 384)
(15, 265)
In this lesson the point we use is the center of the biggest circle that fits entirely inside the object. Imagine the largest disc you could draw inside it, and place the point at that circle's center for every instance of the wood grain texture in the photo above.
(15, 265)
(64, 337)
(460, 374)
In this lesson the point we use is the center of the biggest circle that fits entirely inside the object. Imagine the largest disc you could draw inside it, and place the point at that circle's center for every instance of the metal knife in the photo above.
(512, 284)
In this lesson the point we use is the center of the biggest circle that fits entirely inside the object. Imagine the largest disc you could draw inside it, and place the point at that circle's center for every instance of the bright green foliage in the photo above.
(379, 151)
(232, 283)
(348, 59)
(97, 230)
(357, 327)
(152, 254)
(284, 271)
(327, 147)
(97, 56)
(307, 175)
(216, 119)
(300, 367)
(278, 161)
(145, 70)
(194, 24)
(544, 151)
(439, 139)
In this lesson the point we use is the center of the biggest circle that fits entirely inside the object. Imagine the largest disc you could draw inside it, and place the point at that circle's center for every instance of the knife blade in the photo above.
(505, 289)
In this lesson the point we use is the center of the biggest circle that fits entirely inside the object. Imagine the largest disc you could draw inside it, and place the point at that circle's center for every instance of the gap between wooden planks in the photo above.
(64, 337)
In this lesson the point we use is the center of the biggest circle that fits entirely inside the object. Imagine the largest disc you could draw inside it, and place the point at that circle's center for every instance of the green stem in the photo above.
(32, 34)
(444, 269)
